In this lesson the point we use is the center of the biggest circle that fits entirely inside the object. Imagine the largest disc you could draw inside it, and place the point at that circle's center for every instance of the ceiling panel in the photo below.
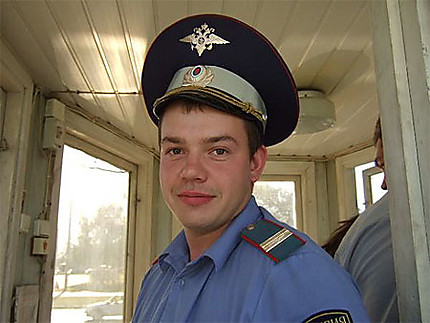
(198, 7)
(138, 19)
(169, 11)
(76, 30)
(109, 34)
(21, 25)
(334, 28)
(90, 54)
(145, 130)
(302, 30)
(272, 17)
(243, 10)
(87, 101)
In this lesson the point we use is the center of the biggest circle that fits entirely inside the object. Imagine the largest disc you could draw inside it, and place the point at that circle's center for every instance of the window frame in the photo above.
(305, 170)
(367, 180)
(346, 186)
(297, 192)
(131, 168)
(84, 133)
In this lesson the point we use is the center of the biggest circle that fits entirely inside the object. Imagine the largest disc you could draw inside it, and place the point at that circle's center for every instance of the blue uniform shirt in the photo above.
(233, 281)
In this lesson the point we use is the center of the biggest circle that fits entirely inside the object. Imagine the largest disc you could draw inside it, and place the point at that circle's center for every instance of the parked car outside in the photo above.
(112, 307)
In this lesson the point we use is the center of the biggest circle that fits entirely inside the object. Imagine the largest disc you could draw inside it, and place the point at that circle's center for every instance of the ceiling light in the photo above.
(317, 113)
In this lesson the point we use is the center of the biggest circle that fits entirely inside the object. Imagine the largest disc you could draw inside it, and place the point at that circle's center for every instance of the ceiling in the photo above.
(89, 54)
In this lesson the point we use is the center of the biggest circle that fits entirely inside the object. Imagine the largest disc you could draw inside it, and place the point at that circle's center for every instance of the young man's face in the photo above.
(206, 173)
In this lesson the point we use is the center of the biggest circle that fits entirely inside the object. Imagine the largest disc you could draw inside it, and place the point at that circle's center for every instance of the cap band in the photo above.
(220, 83)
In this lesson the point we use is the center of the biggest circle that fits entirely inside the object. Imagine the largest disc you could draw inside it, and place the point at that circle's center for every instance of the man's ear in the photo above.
(258, 162)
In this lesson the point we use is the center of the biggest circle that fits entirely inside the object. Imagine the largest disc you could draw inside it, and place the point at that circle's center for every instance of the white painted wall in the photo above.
(19, 87)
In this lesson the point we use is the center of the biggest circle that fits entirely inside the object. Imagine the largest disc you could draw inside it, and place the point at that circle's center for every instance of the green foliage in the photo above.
(277, 201)
(101, 243)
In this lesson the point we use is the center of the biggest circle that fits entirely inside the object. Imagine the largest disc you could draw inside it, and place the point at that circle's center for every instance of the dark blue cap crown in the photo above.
(227, 60)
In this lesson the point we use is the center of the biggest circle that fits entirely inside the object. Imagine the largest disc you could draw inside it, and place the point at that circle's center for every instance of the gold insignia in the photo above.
(198, 76)
(246, 107)
(251, 227)
(330, 316)
(275, 239)
(203, 38)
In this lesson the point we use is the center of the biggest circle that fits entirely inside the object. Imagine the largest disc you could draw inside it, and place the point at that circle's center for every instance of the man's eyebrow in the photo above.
(212, 140)
(172, 140)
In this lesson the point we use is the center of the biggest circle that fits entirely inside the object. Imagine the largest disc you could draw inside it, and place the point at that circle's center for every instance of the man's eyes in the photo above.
(216, 152)
(174, 151)
(220, 151)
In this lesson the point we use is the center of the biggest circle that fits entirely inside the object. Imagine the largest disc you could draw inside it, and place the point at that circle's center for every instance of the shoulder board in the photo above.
(275, 241)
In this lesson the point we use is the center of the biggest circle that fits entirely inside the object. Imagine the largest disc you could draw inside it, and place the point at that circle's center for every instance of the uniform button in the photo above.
(181, 282)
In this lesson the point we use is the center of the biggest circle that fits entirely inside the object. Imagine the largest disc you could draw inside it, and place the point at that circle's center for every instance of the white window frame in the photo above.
(84, 134)
(297, 193)
(18, 86)
(345, 174)
(304, 174)
(367, 180)
(131, 168)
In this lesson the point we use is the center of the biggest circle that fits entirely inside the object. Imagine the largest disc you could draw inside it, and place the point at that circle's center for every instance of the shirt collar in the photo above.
(177, 253)
(222, 248)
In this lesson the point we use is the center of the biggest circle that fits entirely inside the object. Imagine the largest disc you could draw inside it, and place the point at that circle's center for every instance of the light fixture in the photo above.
(317, 113)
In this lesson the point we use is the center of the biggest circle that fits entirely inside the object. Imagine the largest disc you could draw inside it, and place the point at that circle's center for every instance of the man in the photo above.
(366, 252)
(220, 93)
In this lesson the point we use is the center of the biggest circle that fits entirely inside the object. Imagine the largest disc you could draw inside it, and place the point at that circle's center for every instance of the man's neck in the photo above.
(199, 242)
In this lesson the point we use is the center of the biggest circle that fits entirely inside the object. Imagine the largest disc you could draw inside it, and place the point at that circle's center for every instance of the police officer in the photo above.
(220, 94)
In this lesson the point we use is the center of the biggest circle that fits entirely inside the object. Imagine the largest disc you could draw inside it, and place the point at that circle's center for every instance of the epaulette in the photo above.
(275, 241)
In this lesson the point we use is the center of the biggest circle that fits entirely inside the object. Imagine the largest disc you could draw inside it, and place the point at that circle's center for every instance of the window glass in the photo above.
(364, 175)
(377, 191)
(279, 198)
(89, 280)
(359, 185)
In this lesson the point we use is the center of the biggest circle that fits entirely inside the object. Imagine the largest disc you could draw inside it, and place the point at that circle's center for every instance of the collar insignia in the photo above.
(198, 76)
(203, 38)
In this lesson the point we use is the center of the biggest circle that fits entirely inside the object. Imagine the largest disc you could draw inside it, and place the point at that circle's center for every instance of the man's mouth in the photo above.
(194, 198)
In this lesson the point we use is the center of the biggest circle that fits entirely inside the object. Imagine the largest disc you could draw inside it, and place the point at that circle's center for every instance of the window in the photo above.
(280, 198)
(368, 180)
(373, 178)
(90, 262)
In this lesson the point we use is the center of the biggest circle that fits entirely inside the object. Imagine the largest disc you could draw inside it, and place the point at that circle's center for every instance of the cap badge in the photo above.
(203, 38)
(198, 76)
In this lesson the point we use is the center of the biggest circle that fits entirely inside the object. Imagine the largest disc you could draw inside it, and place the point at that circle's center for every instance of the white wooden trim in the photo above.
(306, 171)
(142, 229)
(19, 88)
(367, 180)
(346, 191)
(401, 46)
(297, 192)
(131, 220)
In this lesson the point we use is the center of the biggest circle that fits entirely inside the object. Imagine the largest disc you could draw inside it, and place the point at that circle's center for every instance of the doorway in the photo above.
(90, 260)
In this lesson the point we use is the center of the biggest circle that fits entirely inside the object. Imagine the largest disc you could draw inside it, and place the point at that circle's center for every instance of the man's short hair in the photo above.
(253, 130)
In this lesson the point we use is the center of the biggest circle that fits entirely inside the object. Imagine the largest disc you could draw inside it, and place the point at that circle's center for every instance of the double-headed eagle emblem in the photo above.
(203, 38)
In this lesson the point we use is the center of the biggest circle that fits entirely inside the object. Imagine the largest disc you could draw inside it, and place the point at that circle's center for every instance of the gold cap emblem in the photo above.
(203, 38)
(198, 76)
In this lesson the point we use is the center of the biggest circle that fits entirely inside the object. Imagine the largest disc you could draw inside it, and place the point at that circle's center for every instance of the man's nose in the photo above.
(194, 169)
(384, 182)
